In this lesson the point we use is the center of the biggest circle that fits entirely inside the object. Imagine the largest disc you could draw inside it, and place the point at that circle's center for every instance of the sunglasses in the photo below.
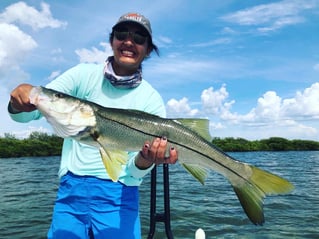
(137, 37)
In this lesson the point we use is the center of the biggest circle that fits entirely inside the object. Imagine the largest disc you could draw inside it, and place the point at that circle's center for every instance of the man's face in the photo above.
(129, 50)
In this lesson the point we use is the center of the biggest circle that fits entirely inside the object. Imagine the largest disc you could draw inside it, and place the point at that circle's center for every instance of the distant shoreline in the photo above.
(271, 144)
(43, 144)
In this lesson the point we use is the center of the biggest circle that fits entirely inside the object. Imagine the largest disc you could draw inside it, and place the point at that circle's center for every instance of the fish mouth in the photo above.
(67, 117)
(34, 95)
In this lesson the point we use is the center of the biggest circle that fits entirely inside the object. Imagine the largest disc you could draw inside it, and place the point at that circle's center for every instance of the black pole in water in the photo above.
(160, 217)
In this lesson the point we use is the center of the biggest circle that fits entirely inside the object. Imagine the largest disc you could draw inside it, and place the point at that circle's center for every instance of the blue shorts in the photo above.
(88, 207)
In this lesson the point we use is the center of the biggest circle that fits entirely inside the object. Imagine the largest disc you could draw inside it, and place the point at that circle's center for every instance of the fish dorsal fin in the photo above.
(198, 172)
(200, 126)
(113, 161)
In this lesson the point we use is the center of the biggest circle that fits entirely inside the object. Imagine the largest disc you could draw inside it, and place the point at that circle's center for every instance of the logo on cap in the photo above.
(134, 17)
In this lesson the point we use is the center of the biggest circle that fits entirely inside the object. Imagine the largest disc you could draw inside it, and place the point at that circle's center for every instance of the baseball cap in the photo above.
(135, 18)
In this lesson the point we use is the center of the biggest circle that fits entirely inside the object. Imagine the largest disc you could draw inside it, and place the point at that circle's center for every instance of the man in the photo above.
(89, 204)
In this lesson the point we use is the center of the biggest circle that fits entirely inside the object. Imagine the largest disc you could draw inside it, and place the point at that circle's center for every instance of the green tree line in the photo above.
(43, 144)
(37, 144)
(272, 144)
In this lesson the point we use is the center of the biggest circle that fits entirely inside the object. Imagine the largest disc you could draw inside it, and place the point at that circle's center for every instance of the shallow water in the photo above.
(28, 188)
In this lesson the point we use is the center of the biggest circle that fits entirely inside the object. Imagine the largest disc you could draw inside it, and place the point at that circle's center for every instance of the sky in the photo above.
(250, 67)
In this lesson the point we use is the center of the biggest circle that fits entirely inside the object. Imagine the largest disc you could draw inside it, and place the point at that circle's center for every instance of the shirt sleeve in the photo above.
(133, 176)
(24, 117)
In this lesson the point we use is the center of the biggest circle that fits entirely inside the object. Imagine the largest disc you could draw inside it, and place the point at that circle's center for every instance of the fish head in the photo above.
(67, 115)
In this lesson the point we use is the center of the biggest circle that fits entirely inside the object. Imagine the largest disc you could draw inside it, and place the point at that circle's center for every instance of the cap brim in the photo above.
(133, 22)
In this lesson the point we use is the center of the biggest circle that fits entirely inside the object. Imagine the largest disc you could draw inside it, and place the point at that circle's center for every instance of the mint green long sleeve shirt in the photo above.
(86, 81)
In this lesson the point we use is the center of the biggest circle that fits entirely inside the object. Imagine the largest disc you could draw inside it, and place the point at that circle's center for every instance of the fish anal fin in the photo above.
(200, 126)
(198, 172)
(113, 161)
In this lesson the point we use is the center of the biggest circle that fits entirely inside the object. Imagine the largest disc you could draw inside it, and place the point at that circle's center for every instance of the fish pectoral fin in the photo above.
(113, 161)
(251, 192)
(198, 172)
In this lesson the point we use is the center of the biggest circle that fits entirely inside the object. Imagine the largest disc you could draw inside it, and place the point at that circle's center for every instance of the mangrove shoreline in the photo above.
(43, 144)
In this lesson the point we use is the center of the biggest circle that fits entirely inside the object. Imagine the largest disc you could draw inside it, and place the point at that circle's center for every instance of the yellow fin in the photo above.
(113, 161)
(270, 183)
(198, 172)
(251, 199)
(200, 126)
(252, 192)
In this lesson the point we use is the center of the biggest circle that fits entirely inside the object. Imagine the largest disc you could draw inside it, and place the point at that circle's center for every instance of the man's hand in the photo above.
(155, 153)
(19, 99)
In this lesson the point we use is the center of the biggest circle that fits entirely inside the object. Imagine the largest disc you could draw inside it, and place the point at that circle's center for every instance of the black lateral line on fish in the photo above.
(184, 146)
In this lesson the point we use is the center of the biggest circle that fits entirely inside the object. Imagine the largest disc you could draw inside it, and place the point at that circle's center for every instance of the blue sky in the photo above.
(251, 67)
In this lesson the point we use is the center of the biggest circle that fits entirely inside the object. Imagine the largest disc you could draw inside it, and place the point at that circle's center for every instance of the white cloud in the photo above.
(280, 23)
(218, 41)
(54, 75)
(268, 106)
(14, 45)
(181, 66)
(271, 16)
(303, 104)
(214, 102)
(57, 57)
(273, 109)
(180, 107)
(21, 13)
(27, 131)
(217, 125)
(228, 30)
(272, 116)
(164, 40)
(95, 55)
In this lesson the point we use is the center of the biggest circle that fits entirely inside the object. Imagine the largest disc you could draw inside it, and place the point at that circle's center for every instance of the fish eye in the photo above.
(59, 95)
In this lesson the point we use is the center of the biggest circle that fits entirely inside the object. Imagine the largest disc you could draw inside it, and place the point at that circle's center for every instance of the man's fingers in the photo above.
(19, 98)
(152, 153)
(156, 151)
(173, 156)
(145, 149)
(161, 150)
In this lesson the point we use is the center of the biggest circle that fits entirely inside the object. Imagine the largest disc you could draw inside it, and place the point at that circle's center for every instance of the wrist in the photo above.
(141, 162)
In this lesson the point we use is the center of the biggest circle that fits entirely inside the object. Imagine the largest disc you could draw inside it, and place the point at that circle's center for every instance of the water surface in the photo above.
(28, 188)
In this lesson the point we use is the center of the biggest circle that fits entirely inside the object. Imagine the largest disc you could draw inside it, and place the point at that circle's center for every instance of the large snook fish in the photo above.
(115, 131)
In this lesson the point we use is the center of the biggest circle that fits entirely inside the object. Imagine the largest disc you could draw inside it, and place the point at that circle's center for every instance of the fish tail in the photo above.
(251, 192)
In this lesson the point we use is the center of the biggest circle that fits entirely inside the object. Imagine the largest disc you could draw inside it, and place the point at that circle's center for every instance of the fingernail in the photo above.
(172, 148)
(164, 138)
